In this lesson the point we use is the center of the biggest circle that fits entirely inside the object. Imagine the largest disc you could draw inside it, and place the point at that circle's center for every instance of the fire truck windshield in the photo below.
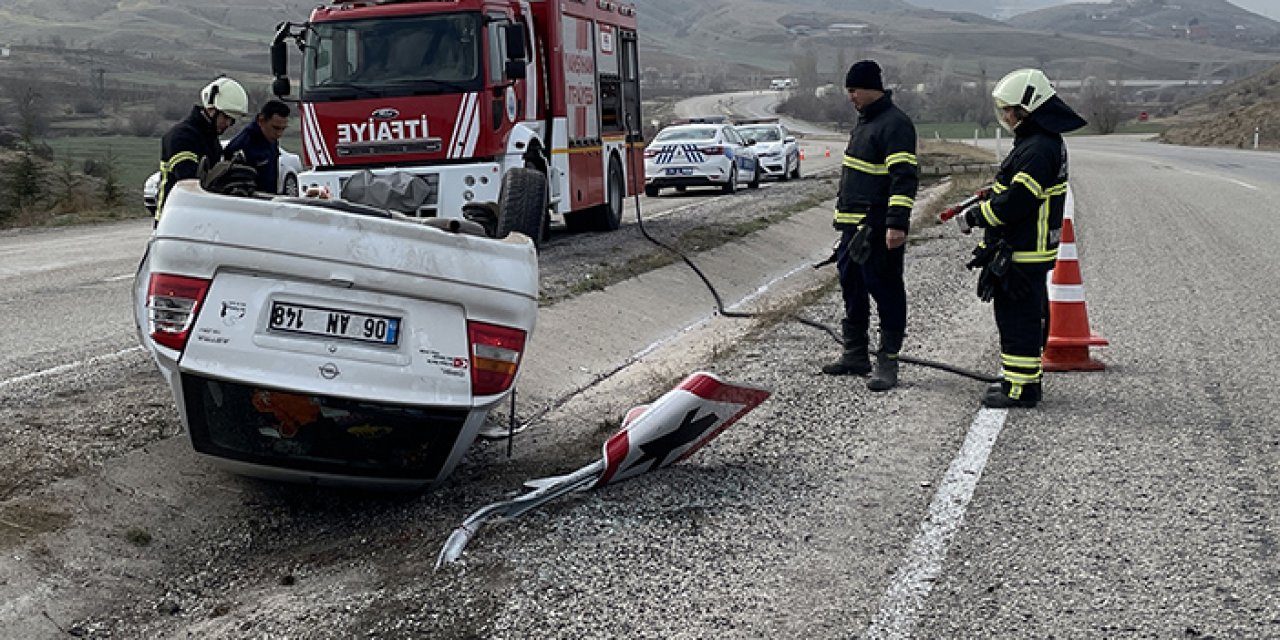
(438, 53)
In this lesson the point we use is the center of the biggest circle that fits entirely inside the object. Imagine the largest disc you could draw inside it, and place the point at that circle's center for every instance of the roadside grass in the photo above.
(134, 158)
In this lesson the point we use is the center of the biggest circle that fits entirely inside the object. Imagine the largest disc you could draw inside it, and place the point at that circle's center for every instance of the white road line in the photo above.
(1202, 174)
(126, 276)
(63, 368)
(901, 604)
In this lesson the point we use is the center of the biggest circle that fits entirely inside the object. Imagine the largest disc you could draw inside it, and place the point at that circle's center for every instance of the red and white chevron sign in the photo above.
(675, 425)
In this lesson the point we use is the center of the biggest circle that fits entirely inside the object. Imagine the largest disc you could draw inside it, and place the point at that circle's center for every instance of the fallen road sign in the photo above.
(653, 436)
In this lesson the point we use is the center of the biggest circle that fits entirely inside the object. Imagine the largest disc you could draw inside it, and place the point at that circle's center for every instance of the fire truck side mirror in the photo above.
(280, 86)
(514, 34)
(279, 56)
(515, 70)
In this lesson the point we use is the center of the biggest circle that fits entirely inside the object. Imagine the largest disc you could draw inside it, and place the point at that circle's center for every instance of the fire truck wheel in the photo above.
(605, 217)
(522, 205)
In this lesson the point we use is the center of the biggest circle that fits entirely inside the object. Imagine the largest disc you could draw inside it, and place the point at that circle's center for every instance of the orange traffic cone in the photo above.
(802, 153)
(1067, 348)
(827, 152)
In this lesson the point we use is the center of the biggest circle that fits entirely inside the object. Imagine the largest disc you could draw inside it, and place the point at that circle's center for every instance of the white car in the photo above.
(290, 166)
(691, 155)
(325, 341)
(775, 146)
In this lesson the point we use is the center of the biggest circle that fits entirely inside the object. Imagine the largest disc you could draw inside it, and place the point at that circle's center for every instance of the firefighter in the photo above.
(195, 138)
(1022, 218)
(259, 142)
(873, 214)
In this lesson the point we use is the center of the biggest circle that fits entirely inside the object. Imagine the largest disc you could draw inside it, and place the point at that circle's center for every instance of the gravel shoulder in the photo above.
(147, 541)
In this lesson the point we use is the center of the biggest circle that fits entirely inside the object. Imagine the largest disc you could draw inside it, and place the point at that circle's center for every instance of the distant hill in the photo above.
(1215, 22)
(1227, 117)
(150, 50)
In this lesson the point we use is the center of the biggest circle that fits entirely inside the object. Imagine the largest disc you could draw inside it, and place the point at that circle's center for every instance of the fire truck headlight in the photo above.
(470, 181)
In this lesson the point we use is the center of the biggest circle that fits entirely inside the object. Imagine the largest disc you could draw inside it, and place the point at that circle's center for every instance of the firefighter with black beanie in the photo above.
(873, 214)
(1022, 219)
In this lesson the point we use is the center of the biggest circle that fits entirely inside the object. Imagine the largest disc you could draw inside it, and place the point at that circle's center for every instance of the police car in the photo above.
(700, 155)
(775, 146)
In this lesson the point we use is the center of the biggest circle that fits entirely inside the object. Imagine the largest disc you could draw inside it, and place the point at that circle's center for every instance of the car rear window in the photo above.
(691, 133)
(761, 134)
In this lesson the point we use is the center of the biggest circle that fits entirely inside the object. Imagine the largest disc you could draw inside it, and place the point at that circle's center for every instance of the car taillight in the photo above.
(713, 150)
(172, 305)
(495, 357)
(650, 153)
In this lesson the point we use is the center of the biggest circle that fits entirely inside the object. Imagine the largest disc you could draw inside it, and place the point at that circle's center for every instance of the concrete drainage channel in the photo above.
(570, 356)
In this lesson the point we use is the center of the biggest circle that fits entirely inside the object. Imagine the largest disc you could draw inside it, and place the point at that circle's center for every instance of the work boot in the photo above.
(1007, 396)
(854, 361)
(885, 376)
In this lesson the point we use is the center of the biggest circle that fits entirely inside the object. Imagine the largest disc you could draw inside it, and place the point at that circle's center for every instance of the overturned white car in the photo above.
(326, 341)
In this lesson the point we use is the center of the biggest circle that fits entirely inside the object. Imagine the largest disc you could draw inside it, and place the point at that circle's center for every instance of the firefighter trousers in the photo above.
(879, 278)
(1022, 323)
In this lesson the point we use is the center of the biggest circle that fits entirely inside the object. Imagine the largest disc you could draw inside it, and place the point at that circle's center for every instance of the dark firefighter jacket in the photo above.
(880, 176)
(1028, 197)
(182, 148)
(259, 152)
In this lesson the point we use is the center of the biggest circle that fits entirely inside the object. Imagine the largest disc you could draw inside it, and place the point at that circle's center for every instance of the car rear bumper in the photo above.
(268, 433)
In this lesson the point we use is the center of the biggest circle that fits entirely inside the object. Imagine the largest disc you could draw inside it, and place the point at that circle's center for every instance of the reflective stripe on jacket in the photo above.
(1029, 195)
(881, 174)
(191, 140)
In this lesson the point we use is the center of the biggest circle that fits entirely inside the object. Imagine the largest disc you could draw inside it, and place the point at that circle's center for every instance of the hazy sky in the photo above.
(1268, 8)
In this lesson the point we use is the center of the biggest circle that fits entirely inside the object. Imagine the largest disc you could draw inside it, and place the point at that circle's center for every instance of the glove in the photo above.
(968, 219)
(229, 177)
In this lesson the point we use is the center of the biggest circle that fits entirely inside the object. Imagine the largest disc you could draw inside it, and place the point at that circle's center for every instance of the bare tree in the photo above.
(983, 113)
(28, 105)
(1101, 107)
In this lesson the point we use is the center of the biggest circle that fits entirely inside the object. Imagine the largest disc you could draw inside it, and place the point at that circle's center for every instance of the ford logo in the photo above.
(385, 113)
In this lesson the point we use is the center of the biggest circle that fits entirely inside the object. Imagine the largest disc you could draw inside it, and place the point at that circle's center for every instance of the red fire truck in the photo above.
(511, 110)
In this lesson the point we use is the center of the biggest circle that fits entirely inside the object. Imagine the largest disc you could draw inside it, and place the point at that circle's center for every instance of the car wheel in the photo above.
(795, 173)
(522, 204)
(652, 190)
(755, 178)
(732, 185)
(290, 185)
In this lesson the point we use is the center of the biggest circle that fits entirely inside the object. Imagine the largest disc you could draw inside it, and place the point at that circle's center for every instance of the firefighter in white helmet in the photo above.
(1022, 218)
(196, 137)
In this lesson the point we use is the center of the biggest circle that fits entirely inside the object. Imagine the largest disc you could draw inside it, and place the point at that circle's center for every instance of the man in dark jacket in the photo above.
(1022, 216)
(259, 141)
(195, 138)
(873, 213)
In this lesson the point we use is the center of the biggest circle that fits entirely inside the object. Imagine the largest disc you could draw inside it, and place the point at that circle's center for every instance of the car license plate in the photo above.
(680, 171)
(334, 323)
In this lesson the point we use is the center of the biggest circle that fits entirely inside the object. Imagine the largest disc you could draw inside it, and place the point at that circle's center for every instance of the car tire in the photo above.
(522, 204)
(732, 185)
(290, 185)
(652, 190)
(795, 173)
(755, 178)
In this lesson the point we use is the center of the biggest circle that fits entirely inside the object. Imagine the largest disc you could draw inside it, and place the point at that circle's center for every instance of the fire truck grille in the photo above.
(355, 150)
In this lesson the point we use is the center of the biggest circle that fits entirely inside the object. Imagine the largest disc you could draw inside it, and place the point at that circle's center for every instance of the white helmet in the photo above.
(226, 95)
(1026, 88)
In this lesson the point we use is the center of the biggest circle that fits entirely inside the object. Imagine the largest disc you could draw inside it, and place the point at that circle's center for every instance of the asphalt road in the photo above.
(1136, 502)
